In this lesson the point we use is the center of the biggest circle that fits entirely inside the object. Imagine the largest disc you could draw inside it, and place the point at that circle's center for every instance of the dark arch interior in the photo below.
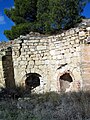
(65, 81)
(32, 80)
(66, 77)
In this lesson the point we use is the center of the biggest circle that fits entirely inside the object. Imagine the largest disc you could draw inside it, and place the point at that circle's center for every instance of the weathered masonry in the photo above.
(48, 63)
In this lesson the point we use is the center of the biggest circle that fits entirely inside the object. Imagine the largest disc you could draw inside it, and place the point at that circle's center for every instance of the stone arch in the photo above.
(65, 80)
(32, 80)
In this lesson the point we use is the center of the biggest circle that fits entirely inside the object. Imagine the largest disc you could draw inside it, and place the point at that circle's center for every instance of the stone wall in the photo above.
(2, 82)
(50, 57)
(85, 65)
(58, 60)
(8, 69)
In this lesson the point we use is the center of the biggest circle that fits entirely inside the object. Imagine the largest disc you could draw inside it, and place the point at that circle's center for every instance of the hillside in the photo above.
(49, 106)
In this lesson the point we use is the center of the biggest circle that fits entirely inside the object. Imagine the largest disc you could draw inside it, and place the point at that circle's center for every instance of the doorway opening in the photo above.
(65, 81)
(7, 63)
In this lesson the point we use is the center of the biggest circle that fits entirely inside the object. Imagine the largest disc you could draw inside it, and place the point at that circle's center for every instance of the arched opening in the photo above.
(65, 81)
(32, 80)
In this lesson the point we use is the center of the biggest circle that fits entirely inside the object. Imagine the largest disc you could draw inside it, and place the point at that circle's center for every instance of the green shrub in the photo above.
(21, 29)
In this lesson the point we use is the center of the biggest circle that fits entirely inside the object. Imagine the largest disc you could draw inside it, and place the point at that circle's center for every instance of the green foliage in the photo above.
(44, 16)
(24, 10)
(20, 29)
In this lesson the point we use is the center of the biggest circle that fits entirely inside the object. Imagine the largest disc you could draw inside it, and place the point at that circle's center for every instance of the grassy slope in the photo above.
(49, 106)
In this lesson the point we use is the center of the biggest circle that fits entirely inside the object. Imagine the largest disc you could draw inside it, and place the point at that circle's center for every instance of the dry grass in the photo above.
(49, 106)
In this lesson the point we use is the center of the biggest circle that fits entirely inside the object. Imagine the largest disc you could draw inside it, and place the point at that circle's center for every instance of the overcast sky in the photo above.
(6, 23)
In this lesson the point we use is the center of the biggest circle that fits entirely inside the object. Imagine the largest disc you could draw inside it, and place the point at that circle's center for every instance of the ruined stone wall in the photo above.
(50, 57)
(61, 61)
(8, 70)
(85, 64)
(6, 65)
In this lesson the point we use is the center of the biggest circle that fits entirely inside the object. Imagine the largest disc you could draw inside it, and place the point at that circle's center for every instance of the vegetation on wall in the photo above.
(44, 16)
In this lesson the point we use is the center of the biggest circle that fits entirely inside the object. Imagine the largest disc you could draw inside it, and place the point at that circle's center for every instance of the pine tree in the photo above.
(44, 16)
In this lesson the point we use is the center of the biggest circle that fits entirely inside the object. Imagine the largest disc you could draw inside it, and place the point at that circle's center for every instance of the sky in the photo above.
(6, 23)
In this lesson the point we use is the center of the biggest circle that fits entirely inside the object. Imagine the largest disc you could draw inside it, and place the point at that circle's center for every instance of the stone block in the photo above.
(86, 87)
(47, 62)
(44, 41)
(23, 59)
(33, 41)
(32, 50)
(25, 47)
(77, 30)
(59, 57)
(82, 34)
(31, 62)
(23, 63)
(68, 60)
(41, 47)
(71, 31)
(88, 28)
(72, 42)
(52, 52)
(77, 41)
(44, 58)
